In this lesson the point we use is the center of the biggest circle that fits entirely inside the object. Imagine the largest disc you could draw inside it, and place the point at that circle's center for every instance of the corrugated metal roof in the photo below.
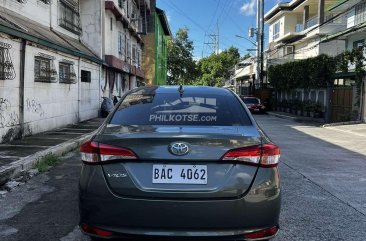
(27, 26)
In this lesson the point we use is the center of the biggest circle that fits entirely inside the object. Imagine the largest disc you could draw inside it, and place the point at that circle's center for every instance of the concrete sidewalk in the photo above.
(20, 156)
(293, 117)
(349, 128)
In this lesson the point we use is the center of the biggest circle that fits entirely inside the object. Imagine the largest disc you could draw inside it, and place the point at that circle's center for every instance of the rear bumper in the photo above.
(125, 217)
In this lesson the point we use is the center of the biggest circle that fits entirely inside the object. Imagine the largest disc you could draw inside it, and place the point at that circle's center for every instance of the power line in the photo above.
(213, 15)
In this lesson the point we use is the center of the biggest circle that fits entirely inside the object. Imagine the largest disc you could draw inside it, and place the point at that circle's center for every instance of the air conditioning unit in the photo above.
(289, 50)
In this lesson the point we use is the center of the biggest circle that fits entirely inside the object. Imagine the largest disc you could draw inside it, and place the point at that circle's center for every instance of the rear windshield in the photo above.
(251, 100)
(173, 109)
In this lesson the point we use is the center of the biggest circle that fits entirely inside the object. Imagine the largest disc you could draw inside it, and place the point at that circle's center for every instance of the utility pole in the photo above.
(262, 45)
(258, 26)
(213, 42)
(217, 49)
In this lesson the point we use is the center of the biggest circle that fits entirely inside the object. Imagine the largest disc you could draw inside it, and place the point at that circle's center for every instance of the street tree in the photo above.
(181, 66)
(215, 69)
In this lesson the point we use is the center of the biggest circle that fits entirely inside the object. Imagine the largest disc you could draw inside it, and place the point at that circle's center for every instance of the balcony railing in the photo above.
(312, 22)
(299, 28)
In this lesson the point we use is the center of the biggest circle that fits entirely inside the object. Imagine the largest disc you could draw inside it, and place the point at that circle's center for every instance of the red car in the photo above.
(253, 104)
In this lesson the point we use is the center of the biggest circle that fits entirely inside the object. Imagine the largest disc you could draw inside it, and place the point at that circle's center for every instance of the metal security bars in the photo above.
(69, 16)
(66, 73)
(7, 71)
(44, 70)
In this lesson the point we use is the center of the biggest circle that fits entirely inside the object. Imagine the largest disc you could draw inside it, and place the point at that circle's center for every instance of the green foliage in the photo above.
(181, 66)
(317, 72)
(215, 69)
(309, 73)
(46, 162)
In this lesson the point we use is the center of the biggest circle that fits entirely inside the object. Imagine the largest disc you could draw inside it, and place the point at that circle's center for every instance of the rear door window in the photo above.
(174, 109)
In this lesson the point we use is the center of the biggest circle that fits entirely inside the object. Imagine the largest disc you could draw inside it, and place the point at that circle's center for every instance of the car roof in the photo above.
(186, 89)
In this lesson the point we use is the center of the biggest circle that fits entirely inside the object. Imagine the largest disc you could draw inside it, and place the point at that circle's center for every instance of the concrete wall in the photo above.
(332, 48)
(291, 20)
(91, 20)
(9, 94)
(46, 105)
(30, 9)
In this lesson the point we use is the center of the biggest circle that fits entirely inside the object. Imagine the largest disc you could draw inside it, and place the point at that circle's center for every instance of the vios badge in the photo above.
(179, 148)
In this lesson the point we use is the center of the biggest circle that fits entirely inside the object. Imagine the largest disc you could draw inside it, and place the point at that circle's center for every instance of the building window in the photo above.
(122, 4)
(85, 76)
(69, 17)
(139, 58)
(45, 1)
(134, 54)
(44, 70)
(360, 15)
(358, 44)
(128, 51)
(66, 73)
(276, 30)
(6, 66)
(121, 43)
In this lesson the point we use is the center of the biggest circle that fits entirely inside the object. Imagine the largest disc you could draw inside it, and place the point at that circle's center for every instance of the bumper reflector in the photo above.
(97, 231)
(262, 233)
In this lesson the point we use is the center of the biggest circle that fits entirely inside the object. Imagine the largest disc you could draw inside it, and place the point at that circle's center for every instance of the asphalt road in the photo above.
(323, 182)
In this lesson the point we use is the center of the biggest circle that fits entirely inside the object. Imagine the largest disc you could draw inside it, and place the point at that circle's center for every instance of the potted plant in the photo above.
(307, 108)
(311, 108)
(300, 106)
(284, 105)
(318, 110)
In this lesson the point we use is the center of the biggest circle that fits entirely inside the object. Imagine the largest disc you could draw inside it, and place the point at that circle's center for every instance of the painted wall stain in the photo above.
(35, 107)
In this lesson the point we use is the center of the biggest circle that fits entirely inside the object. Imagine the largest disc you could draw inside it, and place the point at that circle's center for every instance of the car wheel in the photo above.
(96, 239)
(104, 114)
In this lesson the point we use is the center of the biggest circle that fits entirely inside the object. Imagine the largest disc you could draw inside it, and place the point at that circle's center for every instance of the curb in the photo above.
(296, 119)
(342, 123)
(24, 164)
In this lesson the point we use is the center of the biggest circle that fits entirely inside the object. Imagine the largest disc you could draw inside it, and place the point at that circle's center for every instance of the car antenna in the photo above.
(180, 90)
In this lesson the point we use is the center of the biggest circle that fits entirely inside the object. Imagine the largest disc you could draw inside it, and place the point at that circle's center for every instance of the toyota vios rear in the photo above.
(186, 162)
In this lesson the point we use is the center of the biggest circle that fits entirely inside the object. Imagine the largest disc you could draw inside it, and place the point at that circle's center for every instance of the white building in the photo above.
(48, 77)
(113, 29)
(296, 28)
(353, 34)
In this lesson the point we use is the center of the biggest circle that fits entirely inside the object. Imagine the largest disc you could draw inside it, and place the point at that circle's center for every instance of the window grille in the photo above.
(7, 71)
(66, 73)
(44, 70)
(69, 16)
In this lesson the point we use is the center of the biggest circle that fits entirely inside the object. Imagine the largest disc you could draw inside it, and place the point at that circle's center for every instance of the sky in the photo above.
(207, 17)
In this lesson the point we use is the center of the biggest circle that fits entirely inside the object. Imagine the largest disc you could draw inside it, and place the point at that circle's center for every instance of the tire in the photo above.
(96, 239)
(104, 114)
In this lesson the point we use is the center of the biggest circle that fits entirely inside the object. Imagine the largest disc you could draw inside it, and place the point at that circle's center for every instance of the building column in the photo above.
(321, 11)
(306, 16)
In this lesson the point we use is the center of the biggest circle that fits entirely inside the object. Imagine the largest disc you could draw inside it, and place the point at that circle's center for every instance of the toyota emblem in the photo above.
(179, 148)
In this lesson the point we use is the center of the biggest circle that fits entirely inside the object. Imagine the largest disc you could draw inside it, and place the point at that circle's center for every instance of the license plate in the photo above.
(179, 174)
(256, 109)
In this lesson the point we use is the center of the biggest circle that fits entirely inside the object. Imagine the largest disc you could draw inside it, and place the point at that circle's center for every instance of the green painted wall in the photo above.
(161, 53)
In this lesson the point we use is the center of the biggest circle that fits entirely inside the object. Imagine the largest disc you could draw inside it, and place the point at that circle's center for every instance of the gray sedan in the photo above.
(180, 162)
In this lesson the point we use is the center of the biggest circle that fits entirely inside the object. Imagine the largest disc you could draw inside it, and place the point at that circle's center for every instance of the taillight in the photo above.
(262, 234)
(266, 155)
(94, 152)
(97, 231)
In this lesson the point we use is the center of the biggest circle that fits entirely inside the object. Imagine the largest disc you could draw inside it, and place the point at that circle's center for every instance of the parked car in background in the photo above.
(254, 104)
(180, 162)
